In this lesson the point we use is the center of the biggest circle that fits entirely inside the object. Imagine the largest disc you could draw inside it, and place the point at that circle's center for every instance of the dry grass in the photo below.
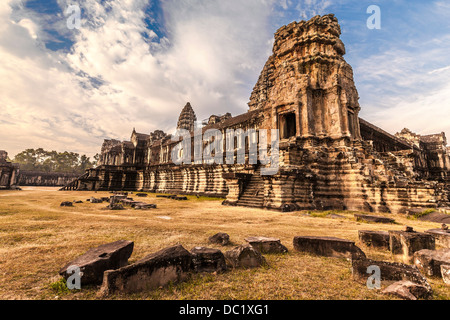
(38, 237)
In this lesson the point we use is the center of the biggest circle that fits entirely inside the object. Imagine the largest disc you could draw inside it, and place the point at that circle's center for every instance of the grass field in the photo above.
(38, 237)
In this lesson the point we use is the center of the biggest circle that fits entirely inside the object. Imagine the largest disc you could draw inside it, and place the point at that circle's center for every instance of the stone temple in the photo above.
(329, 158)
(9, 172)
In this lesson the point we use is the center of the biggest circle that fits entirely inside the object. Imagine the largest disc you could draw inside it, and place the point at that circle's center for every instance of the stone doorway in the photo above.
(288, 125)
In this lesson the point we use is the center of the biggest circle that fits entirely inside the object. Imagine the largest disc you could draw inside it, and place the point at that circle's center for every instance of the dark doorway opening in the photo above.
(288, 125)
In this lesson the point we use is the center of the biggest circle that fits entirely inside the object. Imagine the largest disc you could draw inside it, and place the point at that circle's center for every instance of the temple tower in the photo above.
(306, 85)
(187, 118)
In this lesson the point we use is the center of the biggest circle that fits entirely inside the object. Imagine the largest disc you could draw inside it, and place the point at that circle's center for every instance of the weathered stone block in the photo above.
(375, 219)
(405, 243)
(220, 238)
(376, 239)
(429, 261)
(142, 195)
(208, 260)
(144, 206)
(390, 271)
(66, 204)
(328, 247)
(445, 273)
(115, 206)
(245, 256)
(267, 245)
(158, 269)
(408, 290)
(442, 237)
(94, 262)
(95, 200)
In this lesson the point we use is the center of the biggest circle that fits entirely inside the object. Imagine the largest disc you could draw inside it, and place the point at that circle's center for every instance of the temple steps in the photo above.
(253, 195)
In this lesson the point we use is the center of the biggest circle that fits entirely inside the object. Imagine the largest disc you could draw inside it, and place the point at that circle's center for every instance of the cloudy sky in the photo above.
(135, 63)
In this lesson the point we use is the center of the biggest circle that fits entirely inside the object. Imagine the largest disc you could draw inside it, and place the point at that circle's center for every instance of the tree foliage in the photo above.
(52, 161)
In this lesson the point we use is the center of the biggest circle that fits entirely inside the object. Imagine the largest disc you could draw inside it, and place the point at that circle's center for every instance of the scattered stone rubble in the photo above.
(245, 256)
(66, 204)
(328, 247)
(406, 243)
(266, 245)
(390, 271)
(155, 270)
(414, 247)
(220, 238)
(408, 290)
(108, 264)
(445, 273)
(442, 236)
(429, 262)
(208, 260)
(96, 261)
(376, 239)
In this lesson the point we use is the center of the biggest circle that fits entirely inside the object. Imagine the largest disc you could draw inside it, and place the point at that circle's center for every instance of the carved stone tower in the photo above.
(306, 85)
(187, 118)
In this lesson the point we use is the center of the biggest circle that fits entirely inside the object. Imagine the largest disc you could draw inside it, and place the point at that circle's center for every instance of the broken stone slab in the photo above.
(95, 200)
(106, 199)
(115, 206)
(142, 195)
(220, 238)
(208, 260)
(389, 271)
(376, 239)
(66, 204)
(429, 261)
(328, 247)
(267, 245)
(441, 236)
(94, 262)
(245, 256)
(408, 290)
(181, 198)
(445, 273)
(144, 206)
(158, 269)
(78, 201)
(374, 219)
(406, 243)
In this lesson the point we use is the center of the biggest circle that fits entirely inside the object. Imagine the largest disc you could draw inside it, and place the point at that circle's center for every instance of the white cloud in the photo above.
(311, 8)
(53, 99)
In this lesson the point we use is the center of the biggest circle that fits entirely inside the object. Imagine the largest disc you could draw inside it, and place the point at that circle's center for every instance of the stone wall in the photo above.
(8, 172)
(45, 179)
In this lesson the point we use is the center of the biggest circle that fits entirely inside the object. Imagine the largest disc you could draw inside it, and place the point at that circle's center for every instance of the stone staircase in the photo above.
(253, 194)
(74, 184)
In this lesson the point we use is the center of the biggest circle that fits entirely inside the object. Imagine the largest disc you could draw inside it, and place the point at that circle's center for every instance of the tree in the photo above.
(53, 161)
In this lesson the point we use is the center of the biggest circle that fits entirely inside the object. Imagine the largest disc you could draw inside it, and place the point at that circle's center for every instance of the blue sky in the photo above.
(135, 63)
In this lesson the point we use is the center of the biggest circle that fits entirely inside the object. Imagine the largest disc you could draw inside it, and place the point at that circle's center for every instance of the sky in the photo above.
(136, 63)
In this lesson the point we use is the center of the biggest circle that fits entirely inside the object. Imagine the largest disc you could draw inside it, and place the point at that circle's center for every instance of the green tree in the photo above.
(53, 161)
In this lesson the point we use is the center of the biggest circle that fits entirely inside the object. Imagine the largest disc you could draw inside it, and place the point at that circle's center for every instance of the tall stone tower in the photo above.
(306, 85)
(187, 118)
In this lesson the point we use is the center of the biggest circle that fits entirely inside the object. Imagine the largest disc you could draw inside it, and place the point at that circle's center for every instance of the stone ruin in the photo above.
(329, 158)
(9, 172)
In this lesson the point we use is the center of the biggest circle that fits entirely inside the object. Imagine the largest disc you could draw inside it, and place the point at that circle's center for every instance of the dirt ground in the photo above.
(38, 237)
